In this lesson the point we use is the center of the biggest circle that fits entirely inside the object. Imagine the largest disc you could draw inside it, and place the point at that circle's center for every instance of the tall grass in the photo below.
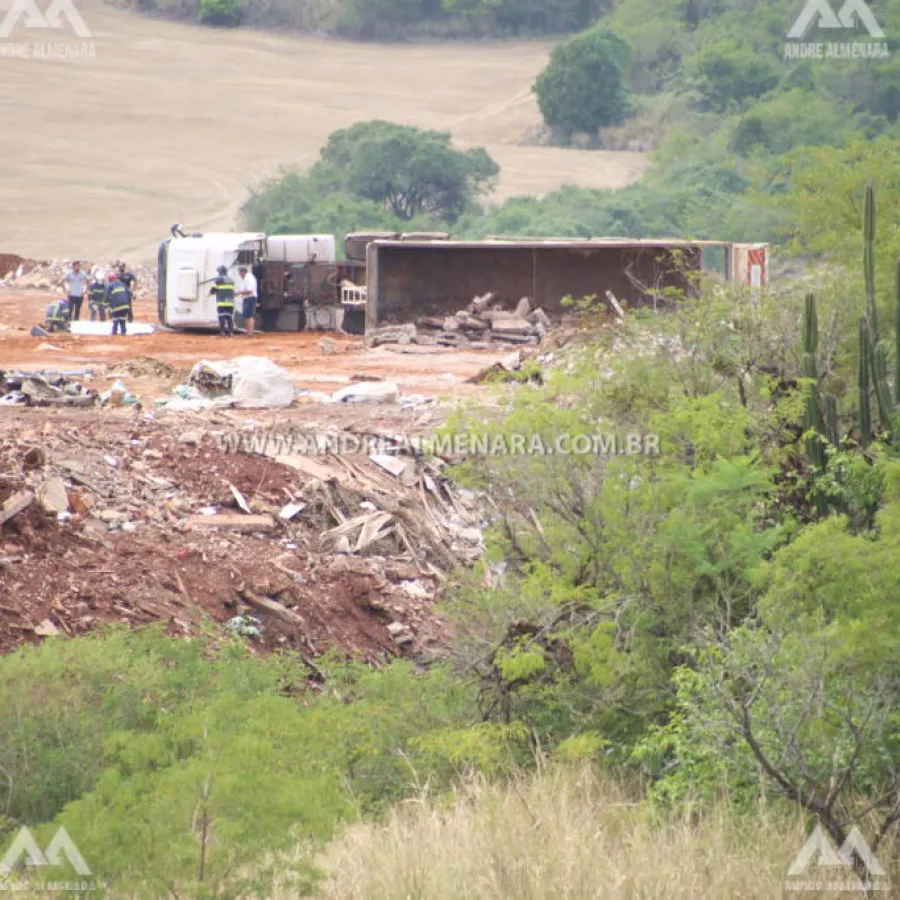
(563, 834)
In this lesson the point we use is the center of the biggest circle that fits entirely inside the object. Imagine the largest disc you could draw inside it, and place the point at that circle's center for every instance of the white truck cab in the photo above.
(188, 266)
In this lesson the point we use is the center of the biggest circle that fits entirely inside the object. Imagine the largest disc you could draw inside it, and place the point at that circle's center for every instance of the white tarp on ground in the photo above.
(256, 382)
(99, 329)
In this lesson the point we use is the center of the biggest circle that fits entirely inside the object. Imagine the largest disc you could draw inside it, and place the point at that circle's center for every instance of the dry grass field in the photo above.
(570, 835)
(171, 122)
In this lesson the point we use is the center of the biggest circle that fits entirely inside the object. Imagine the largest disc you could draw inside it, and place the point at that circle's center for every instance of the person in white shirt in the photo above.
(75, 282)
(246, 291)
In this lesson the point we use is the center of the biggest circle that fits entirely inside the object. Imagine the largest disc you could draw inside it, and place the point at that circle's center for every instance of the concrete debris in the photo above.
(15, 504)
(138, 519)
(392, 334)
(479, 326)
(245, 523)
(46, 629)
(47, 275)
(392, 464)
(53, 497)
(41, 388)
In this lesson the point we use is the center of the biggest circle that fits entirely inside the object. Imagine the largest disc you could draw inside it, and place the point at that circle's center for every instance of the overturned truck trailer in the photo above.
(410, 279)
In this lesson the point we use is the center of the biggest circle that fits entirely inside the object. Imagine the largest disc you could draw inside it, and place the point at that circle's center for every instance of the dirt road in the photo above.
(431, 371)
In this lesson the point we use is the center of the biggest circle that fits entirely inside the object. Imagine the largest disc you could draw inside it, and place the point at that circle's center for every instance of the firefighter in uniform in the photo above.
(97, 299)
(58, 316)
(223, 288)
(128, 279)
(119, 303)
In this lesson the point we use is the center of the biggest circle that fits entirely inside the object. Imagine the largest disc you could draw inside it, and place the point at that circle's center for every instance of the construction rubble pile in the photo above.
(59, 389)
(19, 273)
(480, 326)
(132, 519)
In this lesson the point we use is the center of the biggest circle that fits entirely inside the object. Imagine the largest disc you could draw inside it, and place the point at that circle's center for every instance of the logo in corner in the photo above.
(819, 12)
(53, 18)
(25, 846)
(820, 850)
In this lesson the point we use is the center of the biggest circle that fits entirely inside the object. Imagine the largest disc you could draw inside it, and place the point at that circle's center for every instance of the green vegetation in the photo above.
(376, 175)
(583, 87)
(391, 20)
(713, 620)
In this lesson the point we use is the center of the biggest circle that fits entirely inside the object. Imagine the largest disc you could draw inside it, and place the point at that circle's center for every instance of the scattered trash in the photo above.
(368, 392)
(240, 499)
(245, 626)
(246, 382)
(292, 509)
(45, 388)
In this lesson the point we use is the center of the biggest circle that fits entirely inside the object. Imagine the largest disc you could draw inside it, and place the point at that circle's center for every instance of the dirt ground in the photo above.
(433, 371)
(136, 480)
(171, 122)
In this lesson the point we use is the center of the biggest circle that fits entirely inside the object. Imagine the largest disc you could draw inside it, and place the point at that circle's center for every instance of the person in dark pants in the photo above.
(117, 299)
(130, 282)
(75, 282)
(57, 316)
(97, 299)
(223, 288)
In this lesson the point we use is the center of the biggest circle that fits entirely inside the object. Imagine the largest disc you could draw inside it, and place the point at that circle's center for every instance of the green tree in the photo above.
(797, 118)
(728, 71)
(221, 12)
(802, 699)
(407, 170)
(584, 86)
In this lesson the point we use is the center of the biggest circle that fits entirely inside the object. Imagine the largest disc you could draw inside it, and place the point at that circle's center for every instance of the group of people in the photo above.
(111, 296)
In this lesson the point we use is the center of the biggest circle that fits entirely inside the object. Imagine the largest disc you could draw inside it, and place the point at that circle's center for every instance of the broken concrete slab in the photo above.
(15, 504)
(53, 497)
(46, 629)
(511, 325)
(392, 464)
(232, 522)
(311, 467)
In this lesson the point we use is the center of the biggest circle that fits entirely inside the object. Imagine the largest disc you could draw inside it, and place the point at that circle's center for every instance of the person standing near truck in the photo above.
(128, 279)
(97, 299)
(247, 292)
(117, 299)
(75, 282)
(223, 288)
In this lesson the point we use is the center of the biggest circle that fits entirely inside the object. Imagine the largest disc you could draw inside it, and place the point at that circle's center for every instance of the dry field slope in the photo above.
(171, 122)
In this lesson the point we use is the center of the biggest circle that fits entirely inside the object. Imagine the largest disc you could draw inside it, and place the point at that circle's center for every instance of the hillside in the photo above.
(170, 122)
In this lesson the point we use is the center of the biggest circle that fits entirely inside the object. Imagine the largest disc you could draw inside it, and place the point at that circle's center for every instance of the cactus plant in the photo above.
(831, 421)
(812, 420)
(873, 348)
(869, 258)
(865, 414)
(897, 334)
